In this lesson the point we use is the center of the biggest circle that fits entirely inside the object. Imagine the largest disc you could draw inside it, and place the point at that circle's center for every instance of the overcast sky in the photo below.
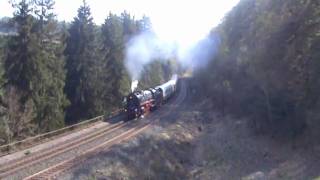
(184, 21)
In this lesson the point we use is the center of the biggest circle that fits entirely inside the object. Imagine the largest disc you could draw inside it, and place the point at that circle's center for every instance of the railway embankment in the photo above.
(189, 140)
(184, 139)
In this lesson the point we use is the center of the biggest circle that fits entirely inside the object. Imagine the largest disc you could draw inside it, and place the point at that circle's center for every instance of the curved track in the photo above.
(137, 127)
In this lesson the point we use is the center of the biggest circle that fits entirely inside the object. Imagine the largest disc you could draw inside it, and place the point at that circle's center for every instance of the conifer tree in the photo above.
(83, 83)
(50, 101)
(22, 71)
(129, 26)
(113, 46)
(21, 58)
(34, 64)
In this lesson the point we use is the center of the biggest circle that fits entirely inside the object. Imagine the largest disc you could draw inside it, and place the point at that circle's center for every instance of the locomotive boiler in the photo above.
(144, 101)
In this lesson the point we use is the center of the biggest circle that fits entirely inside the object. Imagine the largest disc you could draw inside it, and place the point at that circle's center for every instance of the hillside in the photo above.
(267, 65)
(250, 110)
(190, 141)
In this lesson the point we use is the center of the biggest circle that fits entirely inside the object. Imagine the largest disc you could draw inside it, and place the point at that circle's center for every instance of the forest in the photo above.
(267, 66)
(264, 66)
(54, 74)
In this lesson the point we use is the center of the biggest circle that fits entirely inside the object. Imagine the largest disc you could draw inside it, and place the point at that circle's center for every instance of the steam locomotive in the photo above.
(144, 101)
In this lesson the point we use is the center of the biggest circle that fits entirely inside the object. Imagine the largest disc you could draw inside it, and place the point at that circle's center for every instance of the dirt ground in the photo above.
(190, 141)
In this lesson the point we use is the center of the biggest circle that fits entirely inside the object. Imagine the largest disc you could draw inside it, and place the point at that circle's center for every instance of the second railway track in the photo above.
(14, 166)
(55, 170)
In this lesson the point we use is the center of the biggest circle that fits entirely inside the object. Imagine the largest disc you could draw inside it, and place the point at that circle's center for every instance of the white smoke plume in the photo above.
(134, 85)
(142, 50)
(146, 47)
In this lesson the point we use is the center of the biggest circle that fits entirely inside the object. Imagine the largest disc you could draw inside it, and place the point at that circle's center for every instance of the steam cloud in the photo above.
(199, 54)
(146, 47)
(142, 50)
(134, 85)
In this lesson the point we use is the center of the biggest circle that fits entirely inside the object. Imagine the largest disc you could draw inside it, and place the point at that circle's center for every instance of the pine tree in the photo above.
(34, 65)
(113, 46)
(152, 75)
(144, 24)
(22, 71)
(129, 26)
(83, 82)
(50, 101)
(20, 61)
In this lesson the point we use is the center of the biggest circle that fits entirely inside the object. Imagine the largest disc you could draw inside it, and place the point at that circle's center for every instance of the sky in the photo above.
(183, 21)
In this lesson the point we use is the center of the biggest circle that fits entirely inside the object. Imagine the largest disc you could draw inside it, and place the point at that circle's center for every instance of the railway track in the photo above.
(52, 172)
(57, 168)
(21, 163)
(45, 137)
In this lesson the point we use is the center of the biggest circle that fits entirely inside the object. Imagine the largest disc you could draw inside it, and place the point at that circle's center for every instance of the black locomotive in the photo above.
(140, 102)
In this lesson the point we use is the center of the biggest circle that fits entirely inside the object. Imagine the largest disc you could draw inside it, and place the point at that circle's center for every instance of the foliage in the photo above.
(116, 78)
(55, 73)
(50, 100)
(267, 65)
(83, 66)
(34, 71)
(157, 72)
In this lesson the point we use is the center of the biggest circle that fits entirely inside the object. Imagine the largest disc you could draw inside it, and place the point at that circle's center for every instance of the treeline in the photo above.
(55, 73)
(268, 67)
(156, 72)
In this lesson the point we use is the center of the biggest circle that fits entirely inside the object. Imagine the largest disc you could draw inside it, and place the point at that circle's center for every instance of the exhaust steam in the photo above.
(134, 85)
